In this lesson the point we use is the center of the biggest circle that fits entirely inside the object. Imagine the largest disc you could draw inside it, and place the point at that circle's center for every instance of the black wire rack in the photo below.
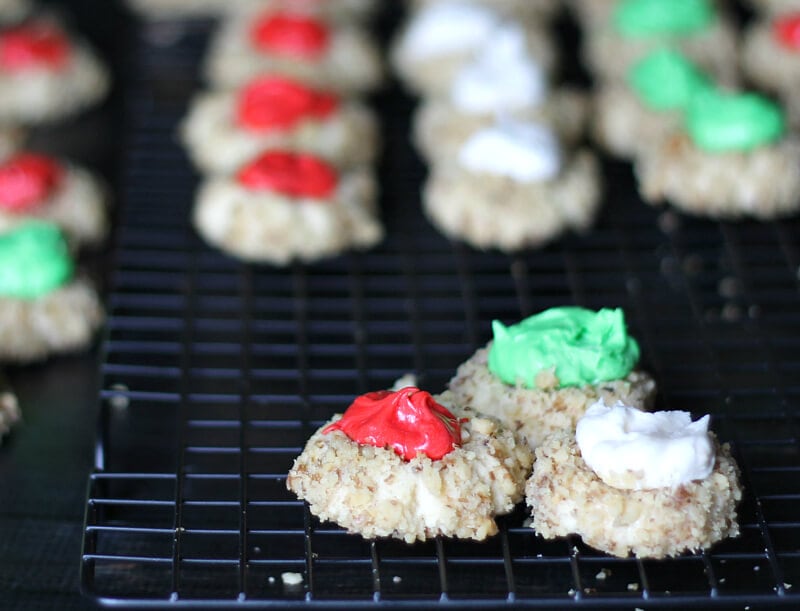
(215, 373)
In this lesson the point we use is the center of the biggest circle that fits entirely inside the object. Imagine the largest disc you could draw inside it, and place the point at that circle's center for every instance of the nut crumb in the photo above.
(271, 580)
(633, 587)
(407, 379)
(397, 579)
(603, 574)
(787, 586)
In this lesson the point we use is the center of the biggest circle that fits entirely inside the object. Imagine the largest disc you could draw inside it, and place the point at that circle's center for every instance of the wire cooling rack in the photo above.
(215, 373)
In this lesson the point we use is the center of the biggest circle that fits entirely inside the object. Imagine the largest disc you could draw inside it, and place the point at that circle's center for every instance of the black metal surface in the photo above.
(215, 373)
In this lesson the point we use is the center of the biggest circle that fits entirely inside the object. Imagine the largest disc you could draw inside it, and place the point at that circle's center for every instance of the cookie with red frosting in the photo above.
(224, 129)
(283, 206)
(34, 185)
(409, 465)
(321, 52)
(774, 7)
(770, 58)
(46, 74)
(175, 9)
(14, 11)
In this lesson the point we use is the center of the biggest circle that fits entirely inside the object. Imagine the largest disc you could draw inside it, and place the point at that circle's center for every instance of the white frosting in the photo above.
(526, 152)
(503, 76)
(448, 27)
(632, 449)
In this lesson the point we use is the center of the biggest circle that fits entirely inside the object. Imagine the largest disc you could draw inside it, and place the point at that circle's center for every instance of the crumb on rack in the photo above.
(292, 579)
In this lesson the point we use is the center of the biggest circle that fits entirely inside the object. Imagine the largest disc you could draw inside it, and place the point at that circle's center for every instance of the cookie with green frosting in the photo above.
(34, 261)
(667, 80)
(652, 18)
(721, 122)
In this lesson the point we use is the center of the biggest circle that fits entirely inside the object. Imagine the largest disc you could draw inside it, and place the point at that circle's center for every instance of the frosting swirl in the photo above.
(27, 180)
(290, 35)
(578, 345)
(290, 174)
(503, 77)
(720, 122)
(524, 151)
(409, 421)
(635, 450)
(279, 103)
(786, 30)
(34, 45)
(667, 80)
(33, 260)
(647, 18)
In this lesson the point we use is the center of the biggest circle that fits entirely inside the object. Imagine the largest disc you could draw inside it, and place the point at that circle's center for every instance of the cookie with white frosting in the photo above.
(503, 79)
(439, 40)
(284, 206)
(223, 129)
(46, 74)
(511, 187)
(411, 466)
(525, 10)
(651, 484)
(540, 375)
(44, 308)
(320, 52)
(33, 185)
(770, 58)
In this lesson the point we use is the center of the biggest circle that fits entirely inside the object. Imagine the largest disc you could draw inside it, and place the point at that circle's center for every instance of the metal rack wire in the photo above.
(215, 373)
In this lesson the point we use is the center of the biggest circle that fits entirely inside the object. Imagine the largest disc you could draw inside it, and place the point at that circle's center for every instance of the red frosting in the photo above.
(291, 35)
(786, 30)
(33, 44)
(27, 180)
(409, 421)
(292, 174)
(278, 103)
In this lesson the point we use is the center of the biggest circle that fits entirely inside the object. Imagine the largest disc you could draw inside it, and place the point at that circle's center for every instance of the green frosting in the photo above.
(667, 80)
(720, 122)
(584, 346)
(645, 18)
(33, 260)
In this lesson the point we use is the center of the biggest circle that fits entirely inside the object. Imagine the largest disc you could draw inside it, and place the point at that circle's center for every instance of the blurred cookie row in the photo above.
(50, 207)
(670, 97)
(500, 135)
(282, 136)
